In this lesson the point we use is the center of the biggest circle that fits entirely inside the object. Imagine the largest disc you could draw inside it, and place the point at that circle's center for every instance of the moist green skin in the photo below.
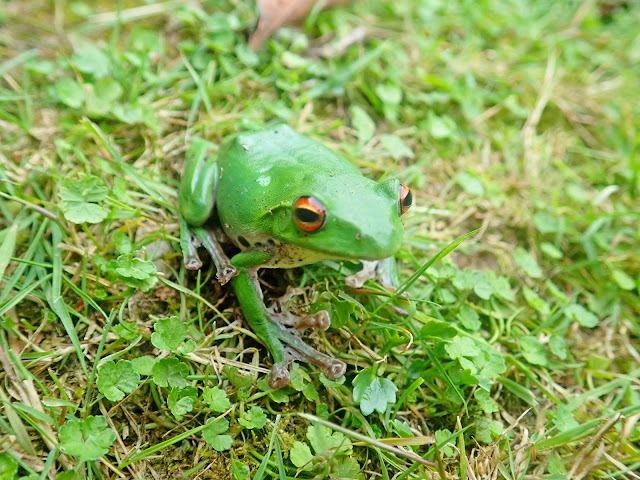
(251, 188)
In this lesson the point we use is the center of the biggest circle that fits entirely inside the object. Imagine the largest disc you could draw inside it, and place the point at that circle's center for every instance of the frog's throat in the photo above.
(283, 254)
(288, 255)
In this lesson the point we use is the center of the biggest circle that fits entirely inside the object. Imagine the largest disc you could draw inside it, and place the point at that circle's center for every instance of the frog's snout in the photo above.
(379, 243)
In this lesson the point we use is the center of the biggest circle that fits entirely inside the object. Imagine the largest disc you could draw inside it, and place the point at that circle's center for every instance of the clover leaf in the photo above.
(212, 434)
(69, 92)
(122, 242)
(536, 302)
(581, 315)
(298, 381)
(254, 418)
(8, 467)
(485, 401)
(114, 380)
(90, 59)
(328, 447)
(144, 365)
(461, 347)
(170, 372)
(372, 392)
(443, 440)
(170, 333)
(216, 398)
(239, 470)
(182, 400)
(79, 199)
(133, 271)
(323, 439)
(279, 395)
(528, 264)
(87, 439)
(300, 455)
(533, 350)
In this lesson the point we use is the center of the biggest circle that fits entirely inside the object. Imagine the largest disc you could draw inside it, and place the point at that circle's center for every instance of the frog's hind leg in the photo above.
(224, 270)
(283, 342)
(197, 202)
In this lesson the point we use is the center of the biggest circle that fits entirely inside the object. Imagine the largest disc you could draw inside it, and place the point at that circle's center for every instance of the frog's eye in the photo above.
(406, 199)
(309, 214)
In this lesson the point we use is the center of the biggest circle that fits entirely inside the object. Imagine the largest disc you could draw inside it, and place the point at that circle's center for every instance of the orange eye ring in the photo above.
(309, 214)
(405, 198)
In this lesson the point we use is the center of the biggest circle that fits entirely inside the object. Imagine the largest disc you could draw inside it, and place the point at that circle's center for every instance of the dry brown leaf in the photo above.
(277, 13)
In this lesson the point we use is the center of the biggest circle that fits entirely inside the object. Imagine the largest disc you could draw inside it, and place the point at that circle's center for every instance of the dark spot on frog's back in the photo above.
(243, 241)
(271, 242)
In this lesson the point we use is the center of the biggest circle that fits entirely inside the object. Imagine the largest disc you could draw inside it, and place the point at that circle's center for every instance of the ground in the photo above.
(517, 355)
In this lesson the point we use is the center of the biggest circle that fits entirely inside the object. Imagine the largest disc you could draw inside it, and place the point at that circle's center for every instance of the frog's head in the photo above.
(357, 219)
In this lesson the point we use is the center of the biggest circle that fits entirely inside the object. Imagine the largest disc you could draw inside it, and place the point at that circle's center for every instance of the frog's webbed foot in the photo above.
(331, 367)
(280, 314)
(368, 272)
(316, 321)
(295, 349)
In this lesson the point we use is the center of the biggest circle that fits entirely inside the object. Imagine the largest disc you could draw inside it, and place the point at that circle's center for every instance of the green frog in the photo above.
(285, 200)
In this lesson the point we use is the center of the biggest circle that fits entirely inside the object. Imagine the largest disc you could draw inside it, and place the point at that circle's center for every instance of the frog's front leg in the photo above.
(386, 269)
(283, 342)
(197, 200)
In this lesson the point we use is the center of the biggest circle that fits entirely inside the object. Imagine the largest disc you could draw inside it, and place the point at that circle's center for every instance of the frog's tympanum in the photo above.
(285, 201)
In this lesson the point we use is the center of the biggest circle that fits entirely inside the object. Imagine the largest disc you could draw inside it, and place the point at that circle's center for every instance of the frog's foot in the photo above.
(279, 314)
(192, 262)
(388, 278)
(318, 321)
(331, 367)
(224, 273)
(369, 271)
(287, 331)
(189, 244)
(384, 269)
(224, 270)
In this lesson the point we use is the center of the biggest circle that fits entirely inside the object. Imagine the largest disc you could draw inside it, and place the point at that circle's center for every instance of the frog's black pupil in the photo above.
(305, 215)
(407, 200)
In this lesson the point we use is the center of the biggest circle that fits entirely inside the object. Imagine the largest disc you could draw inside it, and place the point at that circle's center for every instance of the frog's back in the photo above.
(283, 148)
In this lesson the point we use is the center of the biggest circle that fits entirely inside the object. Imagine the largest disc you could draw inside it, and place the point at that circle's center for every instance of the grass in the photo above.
(519, 355)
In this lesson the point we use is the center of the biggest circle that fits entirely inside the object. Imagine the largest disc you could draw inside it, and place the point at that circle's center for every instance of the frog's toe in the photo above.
(318, 321)
(334, 369)
(279, 376)
(192, 262)
(226, 273)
